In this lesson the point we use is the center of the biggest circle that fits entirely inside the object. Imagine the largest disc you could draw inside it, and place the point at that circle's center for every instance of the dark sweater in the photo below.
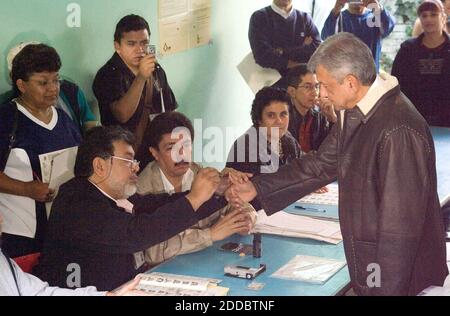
(88, 229)
(424, 77)
(253, 158)
(269, 31)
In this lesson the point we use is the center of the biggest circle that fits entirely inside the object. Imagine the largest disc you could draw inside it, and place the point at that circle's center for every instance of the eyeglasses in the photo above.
(46, 83)
(132, 164)
(309, 87)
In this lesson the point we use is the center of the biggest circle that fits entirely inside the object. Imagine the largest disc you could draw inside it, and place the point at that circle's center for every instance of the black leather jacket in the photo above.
(388, 204)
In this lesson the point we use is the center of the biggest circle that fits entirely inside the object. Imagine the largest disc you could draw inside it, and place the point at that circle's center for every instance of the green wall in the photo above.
(205, 80)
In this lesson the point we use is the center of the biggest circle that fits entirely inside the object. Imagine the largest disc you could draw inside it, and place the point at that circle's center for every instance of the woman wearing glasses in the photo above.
(30, 126)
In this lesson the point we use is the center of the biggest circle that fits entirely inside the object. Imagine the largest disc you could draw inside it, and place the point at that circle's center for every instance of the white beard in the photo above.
(130, 190)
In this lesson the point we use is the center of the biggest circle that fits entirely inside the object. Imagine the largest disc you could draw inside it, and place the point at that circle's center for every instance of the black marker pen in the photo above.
(257, 245)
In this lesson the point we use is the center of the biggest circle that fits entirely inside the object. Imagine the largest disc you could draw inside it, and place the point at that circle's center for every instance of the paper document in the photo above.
(435, 291)
(329, 198)
(172, 7)
(164, 284)
(309, 269)
(256, 76)
(285, 224)
(183, 24)
(57, 168)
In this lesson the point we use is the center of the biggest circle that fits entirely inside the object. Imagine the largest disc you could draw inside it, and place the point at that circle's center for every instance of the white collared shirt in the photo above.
(186, 183)
(383, 84)
(372, 96)
(281, 12)
(124, 203)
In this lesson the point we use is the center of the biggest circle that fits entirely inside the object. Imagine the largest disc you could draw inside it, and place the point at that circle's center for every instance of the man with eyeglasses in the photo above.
(99, 228)
(169, 138)
(308, 123)
(15, 282)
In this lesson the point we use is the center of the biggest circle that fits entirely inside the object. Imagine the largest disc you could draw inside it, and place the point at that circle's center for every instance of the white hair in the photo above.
(344, 54)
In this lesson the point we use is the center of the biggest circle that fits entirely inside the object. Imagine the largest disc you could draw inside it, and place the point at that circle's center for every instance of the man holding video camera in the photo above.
(132, 87)
(367, 19)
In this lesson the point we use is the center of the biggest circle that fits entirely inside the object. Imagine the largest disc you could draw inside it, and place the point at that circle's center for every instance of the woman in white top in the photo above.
(38, 128)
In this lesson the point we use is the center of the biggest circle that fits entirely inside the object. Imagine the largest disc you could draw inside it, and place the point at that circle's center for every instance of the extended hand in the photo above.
(230, 176)
(205, 184)
(128, 289)
(236, 222)
(246, 192)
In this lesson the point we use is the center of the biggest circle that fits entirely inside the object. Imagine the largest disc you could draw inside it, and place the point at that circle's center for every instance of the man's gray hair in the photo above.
(344, 54)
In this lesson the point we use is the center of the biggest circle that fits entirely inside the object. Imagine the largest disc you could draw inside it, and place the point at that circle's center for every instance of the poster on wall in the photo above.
(183, 24)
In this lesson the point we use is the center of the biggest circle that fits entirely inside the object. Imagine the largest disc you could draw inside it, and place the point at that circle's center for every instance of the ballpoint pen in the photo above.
(36, 177)
(309, 209)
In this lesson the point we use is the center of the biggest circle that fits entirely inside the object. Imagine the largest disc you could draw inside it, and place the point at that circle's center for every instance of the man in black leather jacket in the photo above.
(382, 153)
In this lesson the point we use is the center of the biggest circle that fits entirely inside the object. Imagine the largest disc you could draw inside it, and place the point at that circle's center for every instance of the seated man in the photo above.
(15, 282)
(360, 19)
(307, 124)
(71, 98)
(281, 37)
(98, 235)
(132, 85)
(167, 175)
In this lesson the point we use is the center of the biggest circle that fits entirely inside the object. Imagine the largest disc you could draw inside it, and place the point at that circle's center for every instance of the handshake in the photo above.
(234, 185)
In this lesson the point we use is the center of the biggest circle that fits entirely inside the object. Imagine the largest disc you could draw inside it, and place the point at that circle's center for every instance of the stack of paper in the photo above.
(57, 168)
(285, 224)
(164, 284)
(329, 198)
(435, 291)
(309, 269)
(256, 76)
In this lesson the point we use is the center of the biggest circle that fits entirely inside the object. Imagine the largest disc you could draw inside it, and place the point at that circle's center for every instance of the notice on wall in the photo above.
(183, 24)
